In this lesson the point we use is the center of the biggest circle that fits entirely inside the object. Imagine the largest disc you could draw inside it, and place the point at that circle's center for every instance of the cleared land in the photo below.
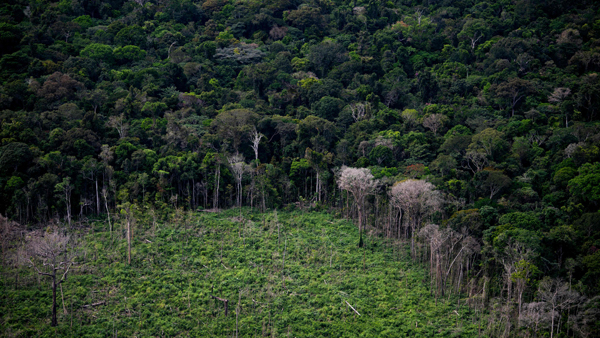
(283, 275)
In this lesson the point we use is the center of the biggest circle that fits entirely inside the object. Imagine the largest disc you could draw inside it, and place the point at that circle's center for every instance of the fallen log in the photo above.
(353, 309)
(94, 304)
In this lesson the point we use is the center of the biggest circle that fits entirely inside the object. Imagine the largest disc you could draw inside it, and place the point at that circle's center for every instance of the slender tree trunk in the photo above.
(54, 321)
(68, 199)
(412, 242)
(97, 198)
(128, 242)
(108, 216)
(360, 225)
(552, 325)
(283, 265)
(216, 197)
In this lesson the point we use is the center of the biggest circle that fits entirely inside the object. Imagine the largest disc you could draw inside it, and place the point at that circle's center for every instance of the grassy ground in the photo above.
(178, 265)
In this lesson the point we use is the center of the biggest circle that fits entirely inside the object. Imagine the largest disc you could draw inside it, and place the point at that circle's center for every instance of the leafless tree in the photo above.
(359, 111)
(418, 199)
(255, 137)
(558, 296)
(514, 254)
(51, 255)
(27, 12)
(83, 204)
(450, 254)
(278, 33)
(65, 188)
(587, 317)
(360, 183)
(419, 15)
(534, 316)
(535, 138)
(434, 122)
(105, 197)
(432, 235)
(119, 123)
(474, 38)
(572, 148)
(238, 167)
(523, 61)
(475, 161)
(90, 171)
(558, 96)
(391, 97)
(128, 209)
(8, 232)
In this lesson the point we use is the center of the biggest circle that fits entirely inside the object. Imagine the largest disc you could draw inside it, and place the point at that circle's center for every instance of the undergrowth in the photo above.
(178, 266)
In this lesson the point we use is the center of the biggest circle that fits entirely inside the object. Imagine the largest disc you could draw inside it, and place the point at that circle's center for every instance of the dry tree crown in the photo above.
(49, 253)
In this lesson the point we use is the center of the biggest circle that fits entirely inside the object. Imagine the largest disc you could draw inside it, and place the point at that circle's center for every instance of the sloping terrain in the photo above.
(178, 266)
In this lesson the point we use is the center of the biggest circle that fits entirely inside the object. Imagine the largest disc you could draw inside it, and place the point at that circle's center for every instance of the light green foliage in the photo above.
(144, 101)
(522, 220)
(587, 184)
(98, 51)
(129, 53)
(177, 265)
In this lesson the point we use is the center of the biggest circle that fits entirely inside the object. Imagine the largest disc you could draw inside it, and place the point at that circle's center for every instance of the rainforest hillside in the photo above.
(466, 129)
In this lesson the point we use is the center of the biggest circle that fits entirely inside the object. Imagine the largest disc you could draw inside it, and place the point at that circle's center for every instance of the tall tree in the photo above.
(51, 255)
(513, 91)
(360, 183)
(237, 167)
(64, 190)
(558, 296)
(418, 199)
(128, 211)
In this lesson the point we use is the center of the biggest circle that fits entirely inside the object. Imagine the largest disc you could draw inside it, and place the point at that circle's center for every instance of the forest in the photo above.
(449, 146)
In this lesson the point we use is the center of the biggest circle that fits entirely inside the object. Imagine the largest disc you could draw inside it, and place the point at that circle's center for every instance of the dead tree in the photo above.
(418, 199)
(9, 231)
(434, 122)
(238, 167)
(119, 123)
(225, 303)
(128, 209)
(359, 111)
(51, 255)
(558, 297)
(255, 137)
(360, 183)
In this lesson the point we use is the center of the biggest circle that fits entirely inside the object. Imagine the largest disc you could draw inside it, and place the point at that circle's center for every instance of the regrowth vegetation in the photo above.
(218, 275)
(468, 129)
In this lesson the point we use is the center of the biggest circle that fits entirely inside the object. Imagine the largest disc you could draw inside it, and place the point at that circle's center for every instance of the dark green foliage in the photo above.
(494, 103)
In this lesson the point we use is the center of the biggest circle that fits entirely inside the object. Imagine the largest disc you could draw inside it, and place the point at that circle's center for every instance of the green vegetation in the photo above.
(283, 274)
(469, 129)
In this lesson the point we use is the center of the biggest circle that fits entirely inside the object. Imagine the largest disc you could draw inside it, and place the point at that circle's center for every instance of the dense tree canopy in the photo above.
(492, 105)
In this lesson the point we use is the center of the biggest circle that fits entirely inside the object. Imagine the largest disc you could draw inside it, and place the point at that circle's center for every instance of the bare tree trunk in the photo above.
(128, 242)
(105, 195)
(216, 194)
(97, 198)
(54, 321)
(68, 199)
(62, 296)
(360, 226)
(237, 312)
(283, 265)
